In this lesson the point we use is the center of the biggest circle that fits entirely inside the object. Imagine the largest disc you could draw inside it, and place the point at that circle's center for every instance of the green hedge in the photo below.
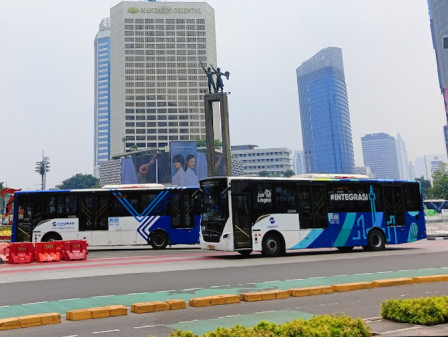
(318, 326)
(425, 311)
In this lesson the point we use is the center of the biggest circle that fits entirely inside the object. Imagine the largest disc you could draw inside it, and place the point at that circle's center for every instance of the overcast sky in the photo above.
(47, 79)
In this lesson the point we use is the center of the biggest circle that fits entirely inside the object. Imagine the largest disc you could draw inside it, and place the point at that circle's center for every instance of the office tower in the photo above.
(156, 79)
(438, 15)
(255, 160)
(402, 159)
(102, 96)
(380, 154)
(426, 166)
(324, 114)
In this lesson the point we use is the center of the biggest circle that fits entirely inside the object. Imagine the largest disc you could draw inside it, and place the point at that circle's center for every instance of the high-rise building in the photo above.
(404, 167)
(438, 15)
(102, 96)
(255, 160)
(425, 166)
(156, 78)
(324, 114)
(380, 154)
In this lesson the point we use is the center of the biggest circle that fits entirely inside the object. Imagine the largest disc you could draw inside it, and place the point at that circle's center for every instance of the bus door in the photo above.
(312, 210)
(393, 205)
(242, 226)
(93, 219)
(182, 219)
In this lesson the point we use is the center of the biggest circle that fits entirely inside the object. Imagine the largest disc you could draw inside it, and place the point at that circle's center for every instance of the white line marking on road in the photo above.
(4, 306)
(145, 326)
(166, 291)
(102, 296)
(36, 303)
(194, 320)
(105, 331)
(137, 293)
(272, 281)
(232, 316)
(71, 299)
(192, 289)
(71, 336)
(264, 312)
(405, 295)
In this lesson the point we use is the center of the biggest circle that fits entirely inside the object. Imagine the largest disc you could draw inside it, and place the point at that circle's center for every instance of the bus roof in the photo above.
(311, 177)
(110, 187)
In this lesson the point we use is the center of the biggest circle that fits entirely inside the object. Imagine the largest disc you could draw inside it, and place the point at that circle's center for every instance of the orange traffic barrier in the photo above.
(47, 251)
(22, 252)
(74, 250)
(4, 252)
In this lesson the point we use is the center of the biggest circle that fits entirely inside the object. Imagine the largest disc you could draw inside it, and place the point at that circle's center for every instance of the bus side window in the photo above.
(305, 211)
(285, 198)
(319, 207)
(411, 197)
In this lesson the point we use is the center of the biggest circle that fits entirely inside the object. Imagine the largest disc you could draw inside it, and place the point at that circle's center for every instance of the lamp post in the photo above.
(42, 167)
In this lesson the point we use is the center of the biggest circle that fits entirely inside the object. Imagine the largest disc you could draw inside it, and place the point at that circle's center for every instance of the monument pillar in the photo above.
(220, 97)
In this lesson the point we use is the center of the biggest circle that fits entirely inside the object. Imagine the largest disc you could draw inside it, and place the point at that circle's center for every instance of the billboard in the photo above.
(152, 168)
(184, 164)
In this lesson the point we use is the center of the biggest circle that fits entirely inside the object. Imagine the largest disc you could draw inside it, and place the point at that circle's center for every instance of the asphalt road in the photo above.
(186, 273)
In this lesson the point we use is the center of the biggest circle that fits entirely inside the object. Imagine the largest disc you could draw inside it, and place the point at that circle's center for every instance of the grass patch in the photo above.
(423, 311)
(319, 326)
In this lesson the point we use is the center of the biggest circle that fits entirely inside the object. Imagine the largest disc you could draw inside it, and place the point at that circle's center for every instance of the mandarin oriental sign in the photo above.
(165, 10)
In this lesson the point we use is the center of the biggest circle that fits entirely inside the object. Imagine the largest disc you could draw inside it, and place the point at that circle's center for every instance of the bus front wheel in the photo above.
(159, 240)
(272, 246)
(375, 240)
(51, 237)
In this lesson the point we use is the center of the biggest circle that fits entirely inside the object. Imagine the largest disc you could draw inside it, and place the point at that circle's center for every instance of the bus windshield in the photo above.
(215, 201)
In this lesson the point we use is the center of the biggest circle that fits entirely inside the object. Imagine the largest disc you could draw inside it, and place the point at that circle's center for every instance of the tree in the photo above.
(288, 173)
(79, 181)
(202, 143)
(439, 189)
(426, 185)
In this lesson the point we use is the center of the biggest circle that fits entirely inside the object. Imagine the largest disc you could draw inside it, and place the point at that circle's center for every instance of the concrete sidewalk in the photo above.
(384, 327)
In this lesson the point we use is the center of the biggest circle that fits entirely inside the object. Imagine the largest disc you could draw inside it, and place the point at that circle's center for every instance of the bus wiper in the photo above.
(224, 192)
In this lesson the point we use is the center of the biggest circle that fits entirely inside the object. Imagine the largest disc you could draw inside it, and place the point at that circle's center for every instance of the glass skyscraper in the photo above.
(324, 114)
(438, 15)
(102, 95)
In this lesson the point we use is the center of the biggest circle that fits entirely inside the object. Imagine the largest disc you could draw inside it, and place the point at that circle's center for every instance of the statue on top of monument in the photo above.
(219, 82)
(211, 83)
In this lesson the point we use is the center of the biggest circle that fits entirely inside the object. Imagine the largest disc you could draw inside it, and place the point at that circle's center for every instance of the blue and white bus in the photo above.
(271, 215)
(113, 215)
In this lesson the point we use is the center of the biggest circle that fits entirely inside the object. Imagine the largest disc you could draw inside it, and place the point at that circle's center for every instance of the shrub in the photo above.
(425, 311)
(318, 326)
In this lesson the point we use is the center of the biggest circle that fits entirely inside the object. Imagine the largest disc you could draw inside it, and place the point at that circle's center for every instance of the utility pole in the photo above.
(42, 167)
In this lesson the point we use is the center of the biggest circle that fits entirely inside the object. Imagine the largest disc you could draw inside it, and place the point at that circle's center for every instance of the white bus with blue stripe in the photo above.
(272, 215)
(113, 215)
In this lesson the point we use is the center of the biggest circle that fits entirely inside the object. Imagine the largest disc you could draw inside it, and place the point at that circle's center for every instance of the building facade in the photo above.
(425, 166)
(438, 15)
(324, 114)
(275, 161)
(380, 155)
(156, 79)
(102, 96)
(404, 166)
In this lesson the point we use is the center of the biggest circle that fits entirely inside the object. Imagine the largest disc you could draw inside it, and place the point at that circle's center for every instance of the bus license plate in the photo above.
(211, 247)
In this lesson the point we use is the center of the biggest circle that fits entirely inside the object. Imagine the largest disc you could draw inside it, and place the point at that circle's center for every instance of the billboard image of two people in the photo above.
(184, 170)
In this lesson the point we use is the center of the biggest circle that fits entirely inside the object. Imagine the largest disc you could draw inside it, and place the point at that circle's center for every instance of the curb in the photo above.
(198, 302)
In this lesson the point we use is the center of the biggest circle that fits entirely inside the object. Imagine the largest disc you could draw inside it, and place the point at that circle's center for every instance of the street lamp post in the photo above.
(42, 167)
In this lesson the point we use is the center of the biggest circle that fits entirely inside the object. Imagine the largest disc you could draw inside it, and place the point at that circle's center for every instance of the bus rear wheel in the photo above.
(272, 246)
(159, 240)
(375, 240)
(51, 237)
